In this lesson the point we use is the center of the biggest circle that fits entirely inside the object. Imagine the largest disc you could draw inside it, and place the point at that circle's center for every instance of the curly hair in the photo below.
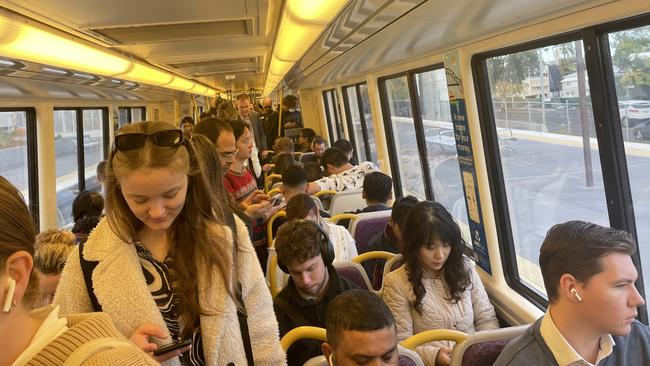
(426, 222)
(297, 242)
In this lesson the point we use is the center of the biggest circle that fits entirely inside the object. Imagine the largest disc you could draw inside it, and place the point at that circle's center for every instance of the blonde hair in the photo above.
(192, 234)
(52, 249)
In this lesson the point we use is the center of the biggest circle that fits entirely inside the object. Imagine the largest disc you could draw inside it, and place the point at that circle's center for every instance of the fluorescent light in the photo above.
(302, 23)
(54, 71)
(28, 41)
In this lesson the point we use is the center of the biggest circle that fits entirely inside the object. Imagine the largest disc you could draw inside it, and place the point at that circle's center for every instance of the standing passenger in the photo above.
(437, 287)
(52, 249)
(165, 264)
(589, 278)
(87, 209)
(187, 126)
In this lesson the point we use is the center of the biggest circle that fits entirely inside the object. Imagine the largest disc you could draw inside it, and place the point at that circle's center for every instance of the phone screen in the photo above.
(172, 347)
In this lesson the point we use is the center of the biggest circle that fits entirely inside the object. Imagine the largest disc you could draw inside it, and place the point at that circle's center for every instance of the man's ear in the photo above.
(566, 284)
(327, 350)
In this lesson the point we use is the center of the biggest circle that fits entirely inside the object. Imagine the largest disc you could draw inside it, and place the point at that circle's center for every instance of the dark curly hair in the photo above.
(426, 222)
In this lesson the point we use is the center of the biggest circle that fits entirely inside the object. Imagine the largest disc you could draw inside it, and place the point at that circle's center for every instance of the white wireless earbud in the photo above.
(10, 295)
(576, 294)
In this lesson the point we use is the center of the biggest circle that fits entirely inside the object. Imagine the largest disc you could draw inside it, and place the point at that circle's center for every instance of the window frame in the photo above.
(129, 114)
(609, 136)
(333, 122)
(362, 118)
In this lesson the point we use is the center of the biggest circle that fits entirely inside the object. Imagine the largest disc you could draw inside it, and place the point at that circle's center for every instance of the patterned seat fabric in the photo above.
(484, 354)
(366, 229)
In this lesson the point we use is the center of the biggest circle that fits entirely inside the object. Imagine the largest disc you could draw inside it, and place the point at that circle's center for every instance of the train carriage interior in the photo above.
(515, 115)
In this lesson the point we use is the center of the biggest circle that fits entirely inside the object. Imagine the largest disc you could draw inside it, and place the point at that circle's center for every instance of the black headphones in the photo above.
(326, 247)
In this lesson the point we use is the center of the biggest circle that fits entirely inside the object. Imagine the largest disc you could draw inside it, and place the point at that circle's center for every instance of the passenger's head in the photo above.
(290, 102)
(294, 181)
(156, 184)
(244, 139)
(588, 269)
(87, 204)
(334, 161)
(101, 171)
(187, 125)
(377, 188)
(360, 331)
(345, 146)
(221, 135)
(399, 213)
(267, 104)
(283, 145)
(283, 162)
(304, 252)
(303, 206)
(16, 252)
(208, 156)
(306, 137)
(318, 146)
(433, 245)
(244, 106)
(314, 171)
(52, 249)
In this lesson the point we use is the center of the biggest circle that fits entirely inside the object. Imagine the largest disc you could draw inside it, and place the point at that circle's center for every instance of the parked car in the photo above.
(634, 112)
(642, 131)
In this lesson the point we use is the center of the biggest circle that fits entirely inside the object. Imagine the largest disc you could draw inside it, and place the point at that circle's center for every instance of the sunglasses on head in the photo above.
(133, 141)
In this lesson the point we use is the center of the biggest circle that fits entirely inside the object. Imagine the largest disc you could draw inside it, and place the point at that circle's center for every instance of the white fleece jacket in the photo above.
(121, 290)
(473, 312)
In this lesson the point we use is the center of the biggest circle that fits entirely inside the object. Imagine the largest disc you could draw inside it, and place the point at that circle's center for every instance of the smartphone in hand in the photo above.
(172, 347)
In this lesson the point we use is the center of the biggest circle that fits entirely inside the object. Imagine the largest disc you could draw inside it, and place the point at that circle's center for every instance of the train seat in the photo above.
(354, 273)
(305, 157)
(347, 201)
(376, 279)
(483, 348)
(406, 358)
(366, 226)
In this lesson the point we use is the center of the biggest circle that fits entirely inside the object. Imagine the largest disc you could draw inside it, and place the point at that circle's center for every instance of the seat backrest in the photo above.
(408, 357)
(393, 264)
(366, 226)
(483, 348)
(354, 273)
(308, 156)
(347, 201)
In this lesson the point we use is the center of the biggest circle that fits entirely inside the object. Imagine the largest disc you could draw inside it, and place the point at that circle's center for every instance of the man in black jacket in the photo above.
(304, 252)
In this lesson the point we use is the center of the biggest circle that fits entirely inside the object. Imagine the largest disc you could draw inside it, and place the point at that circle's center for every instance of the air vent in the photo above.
(178, 31)
(181, 65)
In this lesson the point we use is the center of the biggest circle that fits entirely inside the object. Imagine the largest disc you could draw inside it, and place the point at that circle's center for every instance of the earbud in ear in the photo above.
(9, 298)
(576, 294)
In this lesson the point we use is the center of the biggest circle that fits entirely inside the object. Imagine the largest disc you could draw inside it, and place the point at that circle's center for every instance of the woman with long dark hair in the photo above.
(436, 287)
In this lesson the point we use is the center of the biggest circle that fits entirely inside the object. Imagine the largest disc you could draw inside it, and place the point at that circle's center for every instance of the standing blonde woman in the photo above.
(161, 262)
(41, 337)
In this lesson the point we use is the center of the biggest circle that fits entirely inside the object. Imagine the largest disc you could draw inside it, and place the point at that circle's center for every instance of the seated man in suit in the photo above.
(589, 278)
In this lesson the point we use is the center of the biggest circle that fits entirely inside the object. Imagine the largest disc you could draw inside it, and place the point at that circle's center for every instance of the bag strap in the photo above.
(242, 316)
(87, 268)
(89, 349)
(298, 319)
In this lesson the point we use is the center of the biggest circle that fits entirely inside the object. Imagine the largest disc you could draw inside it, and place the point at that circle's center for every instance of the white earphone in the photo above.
(576, 294)
(10, 295)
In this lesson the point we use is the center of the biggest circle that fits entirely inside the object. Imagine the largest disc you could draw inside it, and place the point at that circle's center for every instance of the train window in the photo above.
(367, 116)
(80, 143)
(629, 50)
(128, 115)
(354, 122)
(399, 119)
(334, 126)
(433, 99)
(18, 153)
(549, 155)
(138, 114)
(123, 116)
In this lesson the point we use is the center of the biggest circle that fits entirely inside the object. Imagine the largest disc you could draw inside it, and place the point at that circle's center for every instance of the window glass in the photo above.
(405, 142)
(367, 115)
(445, 178)
(13, 150)
(138, 114)
(355, 122)
(93, 140)
(547, 146)
(123, 116)
(331, 114)
(630, 51)
(65, 150)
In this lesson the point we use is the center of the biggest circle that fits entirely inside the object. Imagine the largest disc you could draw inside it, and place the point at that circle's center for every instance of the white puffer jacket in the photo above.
(472, 313)
(122, 291)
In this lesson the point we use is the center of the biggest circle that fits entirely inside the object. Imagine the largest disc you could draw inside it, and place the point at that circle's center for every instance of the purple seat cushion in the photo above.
(366, 229)
(353, 275)
(405, 361)
(483, 354)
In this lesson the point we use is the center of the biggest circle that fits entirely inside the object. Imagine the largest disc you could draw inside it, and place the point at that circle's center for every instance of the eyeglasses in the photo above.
(133, 141)
(229, 154)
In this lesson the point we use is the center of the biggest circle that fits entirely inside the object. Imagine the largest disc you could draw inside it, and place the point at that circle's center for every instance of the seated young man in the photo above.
(303, 207)
(390, 239)
(360, 331)
(294, 181)
(377, 191)
(347, 148)
(304, 252)
(318, 147)
(589, 278)
(304, 140)
(340, 174)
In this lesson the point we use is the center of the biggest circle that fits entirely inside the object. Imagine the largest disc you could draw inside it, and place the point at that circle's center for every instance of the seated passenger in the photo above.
(377, 191)
(318, 147)
(294, 181)
(302, 206)
(314, 171)
(347, 148)
(360, 330)
(305, 253)
(391, 239)
(436, 287)
(87, 209)
(340, 174)
(282, 145)
(589, 278)
(304, 140)
(284, 161)
(52, 249)
(40, 336)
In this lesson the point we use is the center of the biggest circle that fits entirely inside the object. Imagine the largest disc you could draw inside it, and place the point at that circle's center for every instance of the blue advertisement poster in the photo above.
(466, 159)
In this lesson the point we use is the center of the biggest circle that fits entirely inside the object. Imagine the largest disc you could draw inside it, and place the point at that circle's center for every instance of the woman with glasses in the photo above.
(160, 262)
